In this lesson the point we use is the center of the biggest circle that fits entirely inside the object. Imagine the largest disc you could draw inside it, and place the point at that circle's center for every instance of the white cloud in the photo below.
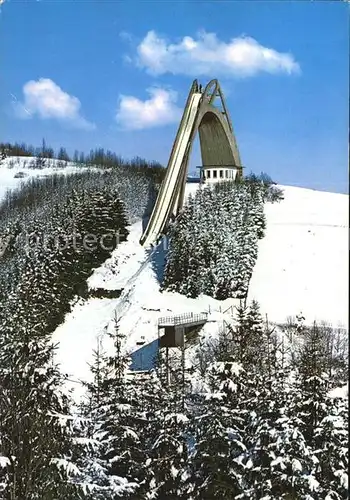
(47, 100)
(206, 55)
(159, 109)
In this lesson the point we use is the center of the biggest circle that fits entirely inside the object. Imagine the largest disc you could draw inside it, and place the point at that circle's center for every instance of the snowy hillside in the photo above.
(302, 266)
(12, 166)
(303, 259)
(135, 271)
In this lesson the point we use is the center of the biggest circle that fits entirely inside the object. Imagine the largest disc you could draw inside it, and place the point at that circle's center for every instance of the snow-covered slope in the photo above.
(303, 259)
(135, 271)
(302, 266)
(11, 166)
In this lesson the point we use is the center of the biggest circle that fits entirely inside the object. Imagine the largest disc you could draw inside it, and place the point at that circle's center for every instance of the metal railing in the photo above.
(182, 319)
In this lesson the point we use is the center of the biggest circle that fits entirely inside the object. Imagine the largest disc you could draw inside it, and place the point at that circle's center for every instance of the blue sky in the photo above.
(116, 74)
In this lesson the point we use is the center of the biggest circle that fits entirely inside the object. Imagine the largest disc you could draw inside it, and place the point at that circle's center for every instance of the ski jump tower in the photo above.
(205, 111)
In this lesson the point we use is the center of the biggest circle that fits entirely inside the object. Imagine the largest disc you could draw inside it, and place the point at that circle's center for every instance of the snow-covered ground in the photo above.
(302, 266)
(20, 164)
(340, 392)
(135, 271)
(303, 262)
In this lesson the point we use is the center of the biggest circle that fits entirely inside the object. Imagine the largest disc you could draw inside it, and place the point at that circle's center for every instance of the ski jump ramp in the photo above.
(218, 148)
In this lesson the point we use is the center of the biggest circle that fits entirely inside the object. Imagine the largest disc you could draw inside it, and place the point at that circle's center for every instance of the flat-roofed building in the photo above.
(211, 174)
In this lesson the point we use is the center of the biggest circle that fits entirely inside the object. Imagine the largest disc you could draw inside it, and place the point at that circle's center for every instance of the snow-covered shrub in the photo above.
(263, 181)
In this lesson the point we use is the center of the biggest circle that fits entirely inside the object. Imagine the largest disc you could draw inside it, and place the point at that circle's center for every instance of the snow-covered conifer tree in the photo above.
(219, 449)
(36, 421)
(332, 449)
(114, 462)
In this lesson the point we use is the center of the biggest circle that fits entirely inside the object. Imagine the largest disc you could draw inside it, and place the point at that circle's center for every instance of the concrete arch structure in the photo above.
(218, 149)
(217, 139)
